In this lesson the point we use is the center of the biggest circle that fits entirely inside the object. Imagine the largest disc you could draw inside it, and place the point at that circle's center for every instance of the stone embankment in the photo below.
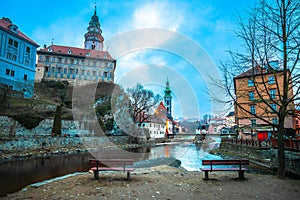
(18, 142)
(267, 158)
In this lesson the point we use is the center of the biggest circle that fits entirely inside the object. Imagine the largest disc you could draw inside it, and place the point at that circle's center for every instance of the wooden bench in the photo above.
(125, 165)
(229, 165)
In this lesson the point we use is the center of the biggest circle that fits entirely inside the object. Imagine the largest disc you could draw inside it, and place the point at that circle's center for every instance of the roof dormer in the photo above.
(13, 28)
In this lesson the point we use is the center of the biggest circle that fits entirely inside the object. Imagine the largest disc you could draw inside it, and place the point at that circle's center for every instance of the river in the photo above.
(16, 175)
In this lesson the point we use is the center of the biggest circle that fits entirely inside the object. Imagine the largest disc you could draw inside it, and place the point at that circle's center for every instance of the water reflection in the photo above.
(14, 175)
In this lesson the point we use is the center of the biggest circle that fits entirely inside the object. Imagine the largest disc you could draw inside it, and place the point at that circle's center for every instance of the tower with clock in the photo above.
(93, 38)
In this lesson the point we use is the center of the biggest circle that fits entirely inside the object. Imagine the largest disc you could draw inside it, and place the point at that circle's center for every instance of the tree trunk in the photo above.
(56, 129)
(281, 155)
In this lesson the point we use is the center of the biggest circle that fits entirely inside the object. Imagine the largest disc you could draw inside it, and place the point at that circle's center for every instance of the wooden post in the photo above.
(96, 174)
(128, 175)
(241, 174)
(206, 175)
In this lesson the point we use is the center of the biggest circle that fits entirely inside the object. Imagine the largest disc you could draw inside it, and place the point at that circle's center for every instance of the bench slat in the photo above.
(124, 165)
(111, 169)
(238, 163)
(224, 169)
(225, 162)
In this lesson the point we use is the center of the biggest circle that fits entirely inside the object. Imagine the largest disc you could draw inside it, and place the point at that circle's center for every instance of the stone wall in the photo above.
(24, 144)
(267, 157)
(11, 128)
(15, 138)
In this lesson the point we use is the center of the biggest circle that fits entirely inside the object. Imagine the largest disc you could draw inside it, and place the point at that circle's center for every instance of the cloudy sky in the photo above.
(152, 40)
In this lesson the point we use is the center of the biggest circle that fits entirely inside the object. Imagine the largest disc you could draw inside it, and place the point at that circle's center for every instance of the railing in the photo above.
(289, 144)
(248, 142)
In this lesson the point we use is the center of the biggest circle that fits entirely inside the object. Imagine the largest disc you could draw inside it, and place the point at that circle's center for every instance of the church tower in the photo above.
(168, 100)
(93, 38)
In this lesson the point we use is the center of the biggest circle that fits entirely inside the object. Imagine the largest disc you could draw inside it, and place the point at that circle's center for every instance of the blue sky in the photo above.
(209, 24)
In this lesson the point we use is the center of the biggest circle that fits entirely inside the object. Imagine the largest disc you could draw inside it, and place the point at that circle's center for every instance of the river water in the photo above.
(15, 175)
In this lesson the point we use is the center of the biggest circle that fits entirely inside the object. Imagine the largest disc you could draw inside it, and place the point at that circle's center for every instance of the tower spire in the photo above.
(93, 38)
(168, 99)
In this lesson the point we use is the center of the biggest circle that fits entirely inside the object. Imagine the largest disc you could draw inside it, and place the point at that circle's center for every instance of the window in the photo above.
(12, 73)
(16, 44)
(13, 43)
(271, 79)
(250, 82)
(25, 77)
(251, 96)
(7, 72)
(275, 121)
(11, 56)
(105, 74)
(10, 41)
(272, 94)
(59, 60)
(253, 109)
(47, 58)
(253, 122)
(27, 62)
(28, 50)
(274, 108)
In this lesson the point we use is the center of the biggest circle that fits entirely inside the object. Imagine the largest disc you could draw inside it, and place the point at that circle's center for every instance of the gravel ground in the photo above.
(164, 182)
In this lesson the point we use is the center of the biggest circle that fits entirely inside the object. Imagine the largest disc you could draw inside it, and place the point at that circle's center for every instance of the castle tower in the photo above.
(168, 100)
(93, 38)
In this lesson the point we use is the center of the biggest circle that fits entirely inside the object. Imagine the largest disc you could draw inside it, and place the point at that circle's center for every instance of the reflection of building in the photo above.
(17, 59)
(57, 62)
(250, 102)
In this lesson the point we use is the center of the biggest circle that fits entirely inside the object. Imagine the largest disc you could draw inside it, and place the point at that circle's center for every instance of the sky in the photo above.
(179, 40)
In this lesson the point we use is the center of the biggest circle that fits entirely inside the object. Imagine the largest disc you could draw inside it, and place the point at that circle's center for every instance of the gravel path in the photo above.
(164, 182)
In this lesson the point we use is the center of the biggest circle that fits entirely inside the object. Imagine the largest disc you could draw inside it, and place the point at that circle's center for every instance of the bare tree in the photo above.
(141, 102)
(270, 35)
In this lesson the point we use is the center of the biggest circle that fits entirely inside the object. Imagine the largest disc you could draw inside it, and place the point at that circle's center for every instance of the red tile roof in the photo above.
(77, 51)
(5, 23)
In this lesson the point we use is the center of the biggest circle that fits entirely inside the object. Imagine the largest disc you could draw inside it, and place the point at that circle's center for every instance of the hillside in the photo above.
(47, 96)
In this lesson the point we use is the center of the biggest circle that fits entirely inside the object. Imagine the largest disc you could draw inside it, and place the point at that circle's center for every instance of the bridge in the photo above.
(183, 135)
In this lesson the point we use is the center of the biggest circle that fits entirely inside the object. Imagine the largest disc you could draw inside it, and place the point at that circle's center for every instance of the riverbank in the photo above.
(53, 150)
(163, 182)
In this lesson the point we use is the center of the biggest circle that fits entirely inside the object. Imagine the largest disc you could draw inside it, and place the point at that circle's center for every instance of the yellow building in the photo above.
(258, 92)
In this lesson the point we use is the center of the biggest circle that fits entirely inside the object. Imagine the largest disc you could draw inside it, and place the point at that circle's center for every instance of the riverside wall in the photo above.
(266, 157)
(17, 141)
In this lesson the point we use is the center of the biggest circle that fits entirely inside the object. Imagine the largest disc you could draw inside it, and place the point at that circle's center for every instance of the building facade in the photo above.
(17, 59)
(257, 93)
(78, 64)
